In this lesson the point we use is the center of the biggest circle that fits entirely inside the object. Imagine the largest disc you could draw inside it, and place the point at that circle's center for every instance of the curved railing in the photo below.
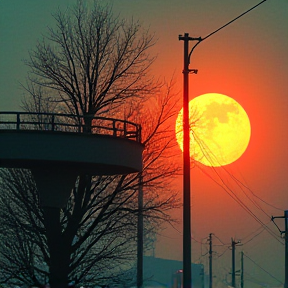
(70, 123)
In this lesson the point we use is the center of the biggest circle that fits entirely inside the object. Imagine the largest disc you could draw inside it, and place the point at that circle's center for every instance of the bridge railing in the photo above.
(70, 123)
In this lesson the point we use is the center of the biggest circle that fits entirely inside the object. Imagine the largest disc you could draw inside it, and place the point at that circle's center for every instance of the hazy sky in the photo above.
(247, 61)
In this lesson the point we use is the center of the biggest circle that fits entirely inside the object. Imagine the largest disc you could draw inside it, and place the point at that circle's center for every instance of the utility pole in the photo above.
(140, 234)
(285, 232)
(233, 245)
(286, 248)
(210, 260)
(187, 277)
(242, 269)
(186, 148)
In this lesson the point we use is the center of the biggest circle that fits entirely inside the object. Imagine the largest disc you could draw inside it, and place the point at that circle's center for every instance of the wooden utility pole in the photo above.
(140, 235)
(233, 245)
(285, 232)
(187, 277)
(210, 261)
(242, 269)
(186, 170)
(286, 248)
(233, 263)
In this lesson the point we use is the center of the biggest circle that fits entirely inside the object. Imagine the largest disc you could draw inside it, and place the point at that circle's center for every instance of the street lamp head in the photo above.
(193, 71)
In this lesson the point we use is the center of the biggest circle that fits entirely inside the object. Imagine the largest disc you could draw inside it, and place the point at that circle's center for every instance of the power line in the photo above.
(220, 255)
(232, 194)
(212, 158)
(262, 229)
(209, 155)
(230, 22)
(263, 269)
(223, 244)
(233, 20)
(250, 190)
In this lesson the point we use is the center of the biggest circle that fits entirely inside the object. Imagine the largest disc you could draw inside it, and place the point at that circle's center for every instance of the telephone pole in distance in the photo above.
(210, 261)
(285, 232)
(233, 245)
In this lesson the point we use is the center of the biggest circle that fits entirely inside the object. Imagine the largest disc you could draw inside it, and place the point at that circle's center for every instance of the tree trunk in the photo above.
(59, 251)
(88, 123)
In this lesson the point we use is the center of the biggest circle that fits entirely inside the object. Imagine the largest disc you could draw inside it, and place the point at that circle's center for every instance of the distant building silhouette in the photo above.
(160, 272)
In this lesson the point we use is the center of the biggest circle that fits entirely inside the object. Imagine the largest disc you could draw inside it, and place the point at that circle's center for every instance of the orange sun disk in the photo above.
(219, 129)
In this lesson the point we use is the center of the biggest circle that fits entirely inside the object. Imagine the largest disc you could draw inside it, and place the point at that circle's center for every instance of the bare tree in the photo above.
(93, 63)
(24, 249)
(97, 229)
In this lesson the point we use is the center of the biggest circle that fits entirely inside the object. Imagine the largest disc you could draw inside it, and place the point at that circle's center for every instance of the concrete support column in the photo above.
(54, 185)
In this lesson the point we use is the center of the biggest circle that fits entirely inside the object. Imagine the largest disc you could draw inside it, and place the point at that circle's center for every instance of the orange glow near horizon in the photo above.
(219, 129)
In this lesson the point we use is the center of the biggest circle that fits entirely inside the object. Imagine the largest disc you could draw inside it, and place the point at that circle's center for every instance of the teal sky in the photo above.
(247, 61)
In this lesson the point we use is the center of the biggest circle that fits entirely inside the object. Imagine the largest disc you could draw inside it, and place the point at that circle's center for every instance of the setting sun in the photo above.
(219, 129)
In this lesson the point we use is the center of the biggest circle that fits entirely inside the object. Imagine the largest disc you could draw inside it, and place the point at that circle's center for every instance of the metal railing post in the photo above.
(18, 121)
(125, 129)
(114, 128)
(53, 122)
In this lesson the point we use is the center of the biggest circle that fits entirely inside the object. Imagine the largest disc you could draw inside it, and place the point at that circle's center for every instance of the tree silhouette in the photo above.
(98, 227)
(92, 63)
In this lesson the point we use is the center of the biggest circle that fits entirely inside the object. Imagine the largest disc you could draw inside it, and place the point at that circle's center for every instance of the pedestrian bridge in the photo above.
(84, 144)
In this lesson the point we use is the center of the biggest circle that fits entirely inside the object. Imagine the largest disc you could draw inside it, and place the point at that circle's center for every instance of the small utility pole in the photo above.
(242, 269)
(285, 232)
(233, 245)
(233, 262)
(140, 235)
(210, 260)
(286, 248)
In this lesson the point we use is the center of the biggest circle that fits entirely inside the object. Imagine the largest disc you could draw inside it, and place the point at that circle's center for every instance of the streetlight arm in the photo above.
(199, 40)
